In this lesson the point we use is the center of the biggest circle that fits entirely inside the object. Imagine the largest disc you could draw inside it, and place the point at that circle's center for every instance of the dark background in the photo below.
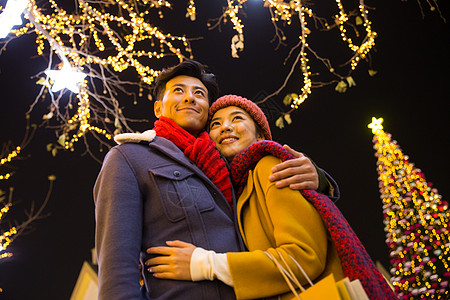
(410, 92)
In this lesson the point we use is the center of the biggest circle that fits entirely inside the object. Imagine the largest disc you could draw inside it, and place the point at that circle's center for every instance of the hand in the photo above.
(298, 173)
(174, 261)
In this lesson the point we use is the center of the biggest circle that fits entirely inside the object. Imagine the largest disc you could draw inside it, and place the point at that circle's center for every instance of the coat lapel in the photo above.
(242, 201)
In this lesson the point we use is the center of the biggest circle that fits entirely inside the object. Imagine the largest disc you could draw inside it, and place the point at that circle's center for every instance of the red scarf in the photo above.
(201, 150)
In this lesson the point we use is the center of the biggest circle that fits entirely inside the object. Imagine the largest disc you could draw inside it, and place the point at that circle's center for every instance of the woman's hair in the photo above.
(189, 68)
(249, 106)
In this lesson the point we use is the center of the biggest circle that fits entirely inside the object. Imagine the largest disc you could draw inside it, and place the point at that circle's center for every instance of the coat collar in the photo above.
(163, 145)
(146, 136)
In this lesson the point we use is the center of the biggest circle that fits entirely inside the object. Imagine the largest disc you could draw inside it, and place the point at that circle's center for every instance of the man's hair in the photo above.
(189, 68)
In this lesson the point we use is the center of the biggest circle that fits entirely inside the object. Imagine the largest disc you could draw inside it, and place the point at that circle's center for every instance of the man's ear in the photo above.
(157, 108)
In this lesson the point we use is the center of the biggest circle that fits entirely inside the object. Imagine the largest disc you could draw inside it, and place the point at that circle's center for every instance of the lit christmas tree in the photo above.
(416, 223)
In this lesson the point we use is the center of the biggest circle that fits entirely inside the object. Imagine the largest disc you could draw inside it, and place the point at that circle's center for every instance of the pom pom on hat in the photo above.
(249, 106)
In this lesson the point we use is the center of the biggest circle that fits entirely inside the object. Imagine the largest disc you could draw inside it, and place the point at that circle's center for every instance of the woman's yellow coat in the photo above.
(271, 218)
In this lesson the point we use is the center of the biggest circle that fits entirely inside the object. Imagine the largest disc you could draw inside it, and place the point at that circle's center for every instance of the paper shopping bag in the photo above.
(351, 290)
(325, 289)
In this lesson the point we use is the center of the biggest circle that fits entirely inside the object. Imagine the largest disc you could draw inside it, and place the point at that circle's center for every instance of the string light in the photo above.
(10, 156)
(69, 36)
(360, 52)
(416, 223)
(9, 235)
(232, 11)
(5, 255)
(5, 176)
(5, 237)
(82, 118)
(4, 210)
(100, 44)
(104, 38)
(8, 159)
(191, 11)
(285, 11)
(306, 89)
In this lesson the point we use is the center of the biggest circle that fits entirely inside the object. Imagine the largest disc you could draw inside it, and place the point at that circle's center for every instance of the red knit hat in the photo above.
(249, 106)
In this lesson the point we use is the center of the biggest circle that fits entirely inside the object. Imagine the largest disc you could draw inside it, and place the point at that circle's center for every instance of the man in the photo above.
(172, 186)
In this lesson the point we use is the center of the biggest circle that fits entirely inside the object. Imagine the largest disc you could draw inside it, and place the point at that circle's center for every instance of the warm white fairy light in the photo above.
(10, 156)
(306, 89)
(284, 11)
(72, 37)
(191, 11)
(4, 210)
(361, 51)
(82, 119)
(9, 233)
(5, 176)
(5, 236)
(69, 37)
(104, 38)
(8, 159)
(232, 11)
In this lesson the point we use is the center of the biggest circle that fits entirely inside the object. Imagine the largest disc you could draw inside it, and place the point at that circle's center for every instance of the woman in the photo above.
(271, 220)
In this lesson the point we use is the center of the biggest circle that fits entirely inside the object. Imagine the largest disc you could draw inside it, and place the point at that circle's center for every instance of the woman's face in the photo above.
(233, 129)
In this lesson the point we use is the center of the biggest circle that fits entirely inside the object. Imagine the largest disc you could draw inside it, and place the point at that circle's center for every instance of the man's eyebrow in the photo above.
(201, 88)
(178, 85)
(198, 87)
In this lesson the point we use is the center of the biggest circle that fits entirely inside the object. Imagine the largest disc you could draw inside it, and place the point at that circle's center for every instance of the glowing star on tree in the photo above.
(67, 77)
(376, 124)
(11, 16)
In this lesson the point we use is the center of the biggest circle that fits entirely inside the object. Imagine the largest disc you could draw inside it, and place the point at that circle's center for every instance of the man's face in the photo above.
(185, 101)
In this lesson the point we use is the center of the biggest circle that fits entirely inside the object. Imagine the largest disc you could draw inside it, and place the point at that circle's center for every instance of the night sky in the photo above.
(410, 91)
